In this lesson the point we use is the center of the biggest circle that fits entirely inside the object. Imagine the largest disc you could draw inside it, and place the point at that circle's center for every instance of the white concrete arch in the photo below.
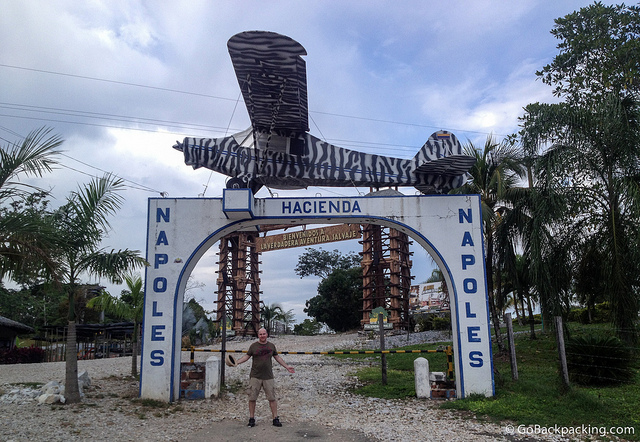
(181, 230)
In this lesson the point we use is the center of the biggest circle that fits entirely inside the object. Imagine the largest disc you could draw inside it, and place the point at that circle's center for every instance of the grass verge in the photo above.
(537, 398)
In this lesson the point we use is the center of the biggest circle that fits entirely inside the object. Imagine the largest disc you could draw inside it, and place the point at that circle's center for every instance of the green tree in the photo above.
(308, 327)
(599, 53)
(593, 165)
(593, 139)
(25, 238)
(339, 300)
(269, 314)
(129, 306)
(319, 262)
(289, 318)
(83, 223)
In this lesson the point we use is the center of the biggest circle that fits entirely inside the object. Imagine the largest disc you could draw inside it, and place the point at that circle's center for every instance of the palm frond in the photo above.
(95, 202)
(33, 157)
(112, 265)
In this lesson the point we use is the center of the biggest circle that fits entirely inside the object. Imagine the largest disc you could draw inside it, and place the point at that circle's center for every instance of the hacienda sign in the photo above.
(180, 230)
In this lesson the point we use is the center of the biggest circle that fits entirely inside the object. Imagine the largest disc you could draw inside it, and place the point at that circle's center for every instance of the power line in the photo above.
(346, 143)
(125, 83)
(231, 99)
(133, 185)
(150, 121)
(98, 115)
(139, 186)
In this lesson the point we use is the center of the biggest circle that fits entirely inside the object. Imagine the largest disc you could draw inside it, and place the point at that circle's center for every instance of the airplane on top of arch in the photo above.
(277, 151)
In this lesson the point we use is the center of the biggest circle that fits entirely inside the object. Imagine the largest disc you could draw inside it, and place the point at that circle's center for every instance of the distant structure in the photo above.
(386, 272)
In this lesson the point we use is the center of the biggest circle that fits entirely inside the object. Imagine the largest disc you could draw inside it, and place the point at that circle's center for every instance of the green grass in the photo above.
(400, 379)
(537, 398)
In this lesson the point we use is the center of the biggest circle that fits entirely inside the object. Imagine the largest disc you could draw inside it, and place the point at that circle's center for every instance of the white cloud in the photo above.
(459, 65)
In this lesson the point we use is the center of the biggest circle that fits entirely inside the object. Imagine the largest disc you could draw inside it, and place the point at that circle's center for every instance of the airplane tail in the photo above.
(439, 145)
(441, 164)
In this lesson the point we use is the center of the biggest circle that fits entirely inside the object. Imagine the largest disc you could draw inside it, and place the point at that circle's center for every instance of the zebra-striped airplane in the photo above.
(277, 151)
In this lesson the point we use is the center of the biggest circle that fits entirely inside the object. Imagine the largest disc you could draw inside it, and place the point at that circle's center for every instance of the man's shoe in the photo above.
(252, 422)
(276, 422)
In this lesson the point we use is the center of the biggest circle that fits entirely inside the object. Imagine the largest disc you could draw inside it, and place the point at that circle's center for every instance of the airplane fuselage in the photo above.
(282, 162)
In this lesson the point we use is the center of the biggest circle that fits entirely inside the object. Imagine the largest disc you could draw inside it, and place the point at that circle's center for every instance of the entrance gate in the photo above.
(181, 230)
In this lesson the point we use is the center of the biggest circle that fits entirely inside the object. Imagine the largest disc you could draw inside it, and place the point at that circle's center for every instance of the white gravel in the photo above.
(317, 393)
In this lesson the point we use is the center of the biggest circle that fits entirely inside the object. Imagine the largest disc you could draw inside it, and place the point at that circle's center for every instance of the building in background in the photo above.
(429, 297)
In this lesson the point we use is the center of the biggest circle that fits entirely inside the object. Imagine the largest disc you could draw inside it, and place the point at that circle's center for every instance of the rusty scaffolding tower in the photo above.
(239, 283)
(386, 274)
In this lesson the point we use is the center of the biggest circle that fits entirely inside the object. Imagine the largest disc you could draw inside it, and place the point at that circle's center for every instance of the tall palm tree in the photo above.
(129, 306)
(271, 313)
(83, 222)
(24, 238)
(289, 318)
(494, 176)
(594, 164)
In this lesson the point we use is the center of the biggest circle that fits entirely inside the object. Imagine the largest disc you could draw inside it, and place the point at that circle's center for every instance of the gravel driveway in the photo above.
(313, 403)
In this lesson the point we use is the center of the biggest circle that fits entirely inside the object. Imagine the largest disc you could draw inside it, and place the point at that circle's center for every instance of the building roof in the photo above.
(15, 325)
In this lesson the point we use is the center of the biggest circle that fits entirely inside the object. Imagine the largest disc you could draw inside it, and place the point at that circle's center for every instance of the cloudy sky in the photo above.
(121, 81)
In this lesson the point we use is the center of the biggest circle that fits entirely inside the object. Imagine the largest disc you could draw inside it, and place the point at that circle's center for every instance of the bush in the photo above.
(432, 321)
(537, 319)
(598, 360)
(601, 314)
(26, 355)
(441, 323)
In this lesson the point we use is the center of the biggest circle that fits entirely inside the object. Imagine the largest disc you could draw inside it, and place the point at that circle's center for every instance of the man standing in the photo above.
(261, 375)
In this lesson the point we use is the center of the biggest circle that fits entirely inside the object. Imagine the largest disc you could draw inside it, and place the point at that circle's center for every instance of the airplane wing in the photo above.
(273, 80)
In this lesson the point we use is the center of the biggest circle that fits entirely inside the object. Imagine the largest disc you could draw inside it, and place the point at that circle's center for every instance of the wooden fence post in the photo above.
(384, 356)
(561, 351)
(512, 346)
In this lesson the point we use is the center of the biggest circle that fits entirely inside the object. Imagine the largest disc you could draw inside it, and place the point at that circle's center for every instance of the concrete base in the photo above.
(421, 371)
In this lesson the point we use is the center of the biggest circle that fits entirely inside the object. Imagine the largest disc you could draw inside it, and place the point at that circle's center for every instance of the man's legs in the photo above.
(254, 390)
(274, 408)
(269, 389)
(270, 392)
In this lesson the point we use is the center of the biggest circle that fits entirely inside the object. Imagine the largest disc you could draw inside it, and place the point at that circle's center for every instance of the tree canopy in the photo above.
(599, 53)
(339, 300)
(319, 262)
(578, 223)
(26, 238)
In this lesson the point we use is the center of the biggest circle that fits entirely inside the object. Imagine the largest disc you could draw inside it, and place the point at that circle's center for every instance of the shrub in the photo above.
(537, 319)
(600, 314)
(433, 321)
(441, 323)
(598, 360)
(26, 355)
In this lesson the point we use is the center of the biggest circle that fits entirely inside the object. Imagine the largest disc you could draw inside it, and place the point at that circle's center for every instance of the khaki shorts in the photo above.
(256, 384)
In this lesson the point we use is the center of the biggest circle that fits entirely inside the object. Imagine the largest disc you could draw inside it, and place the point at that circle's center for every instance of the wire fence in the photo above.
(586, 354)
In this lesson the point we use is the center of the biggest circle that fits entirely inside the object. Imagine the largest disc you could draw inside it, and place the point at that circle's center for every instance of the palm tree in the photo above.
(494, 177)
(289, 318)
(130, 306)
(271, 313)
(25, 238)
(593, 165)
(83, 223)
